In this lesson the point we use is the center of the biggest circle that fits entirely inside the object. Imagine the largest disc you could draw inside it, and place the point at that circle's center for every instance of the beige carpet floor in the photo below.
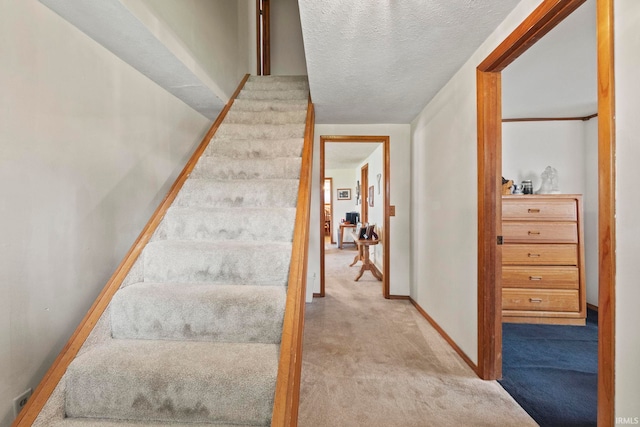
(371, 362)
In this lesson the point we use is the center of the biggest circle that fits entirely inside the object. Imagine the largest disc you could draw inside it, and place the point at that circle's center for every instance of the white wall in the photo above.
(210, 36)
(572, 148)
(88, 149)
(444, 279)
(627, 319)
(529, 147)
(287, 50)
(400, 181)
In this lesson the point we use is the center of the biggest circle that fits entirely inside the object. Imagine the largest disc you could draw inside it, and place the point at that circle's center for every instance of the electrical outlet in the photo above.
(20, 401)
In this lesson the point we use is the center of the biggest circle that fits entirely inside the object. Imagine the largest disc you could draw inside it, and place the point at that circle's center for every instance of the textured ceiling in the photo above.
(383, 61)
(556, 77)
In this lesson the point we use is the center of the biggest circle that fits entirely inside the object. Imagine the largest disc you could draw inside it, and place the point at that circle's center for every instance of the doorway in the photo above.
(540, 22)
(329, 227)
(384, 200)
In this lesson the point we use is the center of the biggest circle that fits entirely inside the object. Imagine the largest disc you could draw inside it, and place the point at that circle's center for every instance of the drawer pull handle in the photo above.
(533, 210)
(534, 233)
(535, 299)
(533, 255)
(535, 277)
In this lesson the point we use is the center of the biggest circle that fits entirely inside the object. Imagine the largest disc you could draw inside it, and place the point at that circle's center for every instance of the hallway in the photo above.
(368, 361)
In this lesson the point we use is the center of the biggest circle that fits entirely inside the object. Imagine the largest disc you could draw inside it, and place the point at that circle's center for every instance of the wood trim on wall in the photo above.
(387, 197)
(542, 20)
(42, 393)
(606, 213)
(446, 336)
(549, 119)
(287, 394)
(489, 225)
(263, 38)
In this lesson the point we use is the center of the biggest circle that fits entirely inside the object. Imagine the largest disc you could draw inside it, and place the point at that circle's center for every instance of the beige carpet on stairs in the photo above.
(372, 362)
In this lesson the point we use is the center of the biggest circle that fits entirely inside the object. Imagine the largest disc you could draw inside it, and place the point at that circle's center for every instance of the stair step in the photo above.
(102, 422)
(266, 117)
(275, 78)
(276, 105)
(228, 262)
(274, 94)
(255, 148)
(269, 84)
(246, 224)
(173, 381)
(198, 312)
(224, 168)
(248, 131)
(276, 85)
(277, 193)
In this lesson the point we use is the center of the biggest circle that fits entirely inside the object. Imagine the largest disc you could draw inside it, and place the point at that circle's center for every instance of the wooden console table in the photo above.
(343, 225)
(363, 255)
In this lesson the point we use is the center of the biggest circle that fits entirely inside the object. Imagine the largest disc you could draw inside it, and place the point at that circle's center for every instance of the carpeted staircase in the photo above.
(196, 340)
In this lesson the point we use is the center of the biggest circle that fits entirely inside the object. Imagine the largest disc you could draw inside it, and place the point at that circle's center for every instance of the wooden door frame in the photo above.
(330, 179)
(536, 25)
(364, 195)
(263, 38)
(384, 140)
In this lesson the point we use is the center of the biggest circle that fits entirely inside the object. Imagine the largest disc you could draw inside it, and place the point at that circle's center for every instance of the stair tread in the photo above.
(183, 381)
(266, 117)
(275, 192)
(260, 131)
(254, 148)
(215, 167)
(257, 105)
(198, 312)
(217, 223)
(98, 422)
(231, 261)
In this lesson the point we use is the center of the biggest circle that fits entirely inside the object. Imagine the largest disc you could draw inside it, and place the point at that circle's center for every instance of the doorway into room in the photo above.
(348, 194)
(540, 22)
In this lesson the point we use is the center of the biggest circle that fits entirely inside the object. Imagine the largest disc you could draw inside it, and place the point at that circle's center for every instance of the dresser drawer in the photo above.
(539, 209)
(540, 300)
(539, 232)
(540, 277)
(541, 254)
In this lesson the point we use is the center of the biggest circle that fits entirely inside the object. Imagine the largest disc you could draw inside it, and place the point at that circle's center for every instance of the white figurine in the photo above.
(549, 181)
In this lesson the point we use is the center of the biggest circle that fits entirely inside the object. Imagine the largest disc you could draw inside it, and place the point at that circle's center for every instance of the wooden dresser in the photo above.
(543, 259)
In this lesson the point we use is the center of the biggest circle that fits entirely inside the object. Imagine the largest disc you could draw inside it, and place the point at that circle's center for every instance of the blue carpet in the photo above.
(552, 371)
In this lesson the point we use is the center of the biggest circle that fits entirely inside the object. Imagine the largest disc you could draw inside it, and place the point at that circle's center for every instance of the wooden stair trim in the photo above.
(51, 379)
(287, 394)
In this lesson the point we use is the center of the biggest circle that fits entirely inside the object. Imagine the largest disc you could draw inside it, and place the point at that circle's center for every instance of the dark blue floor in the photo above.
(552, 371)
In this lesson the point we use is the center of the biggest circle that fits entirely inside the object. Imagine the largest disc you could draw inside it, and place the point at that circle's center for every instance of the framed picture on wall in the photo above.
(371, 196)
(344, 194)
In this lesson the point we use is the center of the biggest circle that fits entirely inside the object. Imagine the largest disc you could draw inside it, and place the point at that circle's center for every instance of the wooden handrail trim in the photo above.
(51, 379)
(287, 394)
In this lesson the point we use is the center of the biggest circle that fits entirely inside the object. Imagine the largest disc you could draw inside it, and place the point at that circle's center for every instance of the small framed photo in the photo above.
(344, 194)
(371, 196)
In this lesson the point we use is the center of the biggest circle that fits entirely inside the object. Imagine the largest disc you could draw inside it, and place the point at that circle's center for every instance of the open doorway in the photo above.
(540, 22)
(329, 226)
(350, 196)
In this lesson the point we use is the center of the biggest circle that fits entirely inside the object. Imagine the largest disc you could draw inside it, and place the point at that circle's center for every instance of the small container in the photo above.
(527, 186)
